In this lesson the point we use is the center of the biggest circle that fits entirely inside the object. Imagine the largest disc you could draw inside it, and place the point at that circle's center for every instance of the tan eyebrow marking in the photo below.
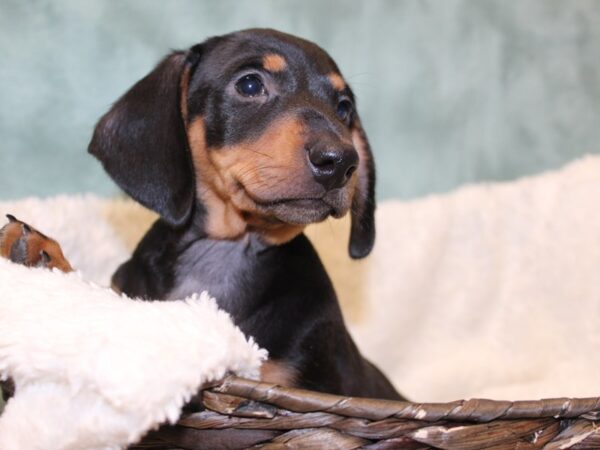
(274, 62)
(337, 81)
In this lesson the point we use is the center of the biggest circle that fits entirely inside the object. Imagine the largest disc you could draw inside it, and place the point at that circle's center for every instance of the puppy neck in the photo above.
(219, 219)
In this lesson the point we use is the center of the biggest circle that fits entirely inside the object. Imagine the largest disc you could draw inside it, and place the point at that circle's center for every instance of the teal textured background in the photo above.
(450, 91)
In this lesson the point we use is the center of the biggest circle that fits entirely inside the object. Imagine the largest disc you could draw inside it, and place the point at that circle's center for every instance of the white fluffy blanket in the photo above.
(492, 290)
(95, 370)
(489, 291)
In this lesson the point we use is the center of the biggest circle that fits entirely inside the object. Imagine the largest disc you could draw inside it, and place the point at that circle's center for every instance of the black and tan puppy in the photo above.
(239, 143)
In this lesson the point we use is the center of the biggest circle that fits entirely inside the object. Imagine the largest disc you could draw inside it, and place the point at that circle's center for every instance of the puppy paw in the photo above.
(23, 244)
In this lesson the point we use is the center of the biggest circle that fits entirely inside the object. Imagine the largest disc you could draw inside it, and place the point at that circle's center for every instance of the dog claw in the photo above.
(44, 260)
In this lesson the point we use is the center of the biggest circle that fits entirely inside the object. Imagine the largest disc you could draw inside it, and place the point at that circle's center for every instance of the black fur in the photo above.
(141, 143)
(280, 294)
(18, 252)
(362, 232)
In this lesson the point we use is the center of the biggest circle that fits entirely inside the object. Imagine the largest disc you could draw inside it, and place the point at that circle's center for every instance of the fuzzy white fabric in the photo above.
(95, 370)
(492, 290)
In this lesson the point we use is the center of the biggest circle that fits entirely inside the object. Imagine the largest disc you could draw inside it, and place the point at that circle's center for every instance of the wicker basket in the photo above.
(240, 413)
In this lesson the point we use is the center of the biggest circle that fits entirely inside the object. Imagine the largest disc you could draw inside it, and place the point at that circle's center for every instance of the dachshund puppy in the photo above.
(238, 144)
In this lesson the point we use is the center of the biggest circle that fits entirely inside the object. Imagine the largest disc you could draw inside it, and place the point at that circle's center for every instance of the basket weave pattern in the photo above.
(240, 413)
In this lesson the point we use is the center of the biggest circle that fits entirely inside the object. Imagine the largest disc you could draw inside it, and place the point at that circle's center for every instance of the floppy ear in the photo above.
(142, 143)
(362, 231)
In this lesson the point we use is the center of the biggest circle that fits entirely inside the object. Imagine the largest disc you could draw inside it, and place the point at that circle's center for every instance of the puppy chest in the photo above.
(228, 270)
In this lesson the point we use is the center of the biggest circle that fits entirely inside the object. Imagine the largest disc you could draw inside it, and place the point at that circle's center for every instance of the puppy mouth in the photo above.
(303, 210)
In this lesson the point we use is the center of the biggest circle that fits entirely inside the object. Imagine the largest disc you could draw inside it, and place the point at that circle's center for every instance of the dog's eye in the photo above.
(250, 86)
(344, 110)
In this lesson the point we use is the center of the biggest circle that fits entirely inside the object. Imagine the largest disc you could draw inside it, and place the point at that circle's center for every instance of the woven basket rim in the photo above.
(241, 413)
(478, 410)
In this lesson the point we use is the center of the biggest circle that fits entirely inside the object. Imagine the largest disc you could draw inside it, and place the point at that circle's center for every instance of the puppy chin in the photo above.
(339, 200)
(306, 211)
(302, 212)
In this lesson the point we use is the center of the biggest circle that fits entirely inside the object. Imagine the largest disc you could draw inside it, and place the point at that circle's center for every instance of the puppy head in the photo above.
(257, 129)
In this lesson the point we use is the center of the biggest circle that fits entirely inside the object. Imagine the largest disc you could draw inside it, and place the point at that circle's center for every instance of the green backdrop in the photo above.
(450, 91)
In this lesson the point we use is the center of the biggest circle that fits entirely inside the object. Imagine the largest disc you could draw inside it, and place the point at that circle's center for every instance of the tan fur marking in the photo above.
(282, 234)
(57, 260)
(337, 81)
(231, 179)
(223, 221)
(184, 88)
(278, 373)
(115, 288)
(274, 62)
(362, 175)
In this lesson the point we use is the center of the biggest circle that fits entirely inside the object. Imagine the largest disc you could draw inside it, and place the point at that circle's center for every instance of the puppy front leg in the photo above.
(23, 244)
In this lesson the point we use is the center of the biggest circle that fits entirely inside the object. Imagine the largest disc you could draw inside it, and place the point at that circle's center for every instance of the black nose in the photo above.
(332, 167)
